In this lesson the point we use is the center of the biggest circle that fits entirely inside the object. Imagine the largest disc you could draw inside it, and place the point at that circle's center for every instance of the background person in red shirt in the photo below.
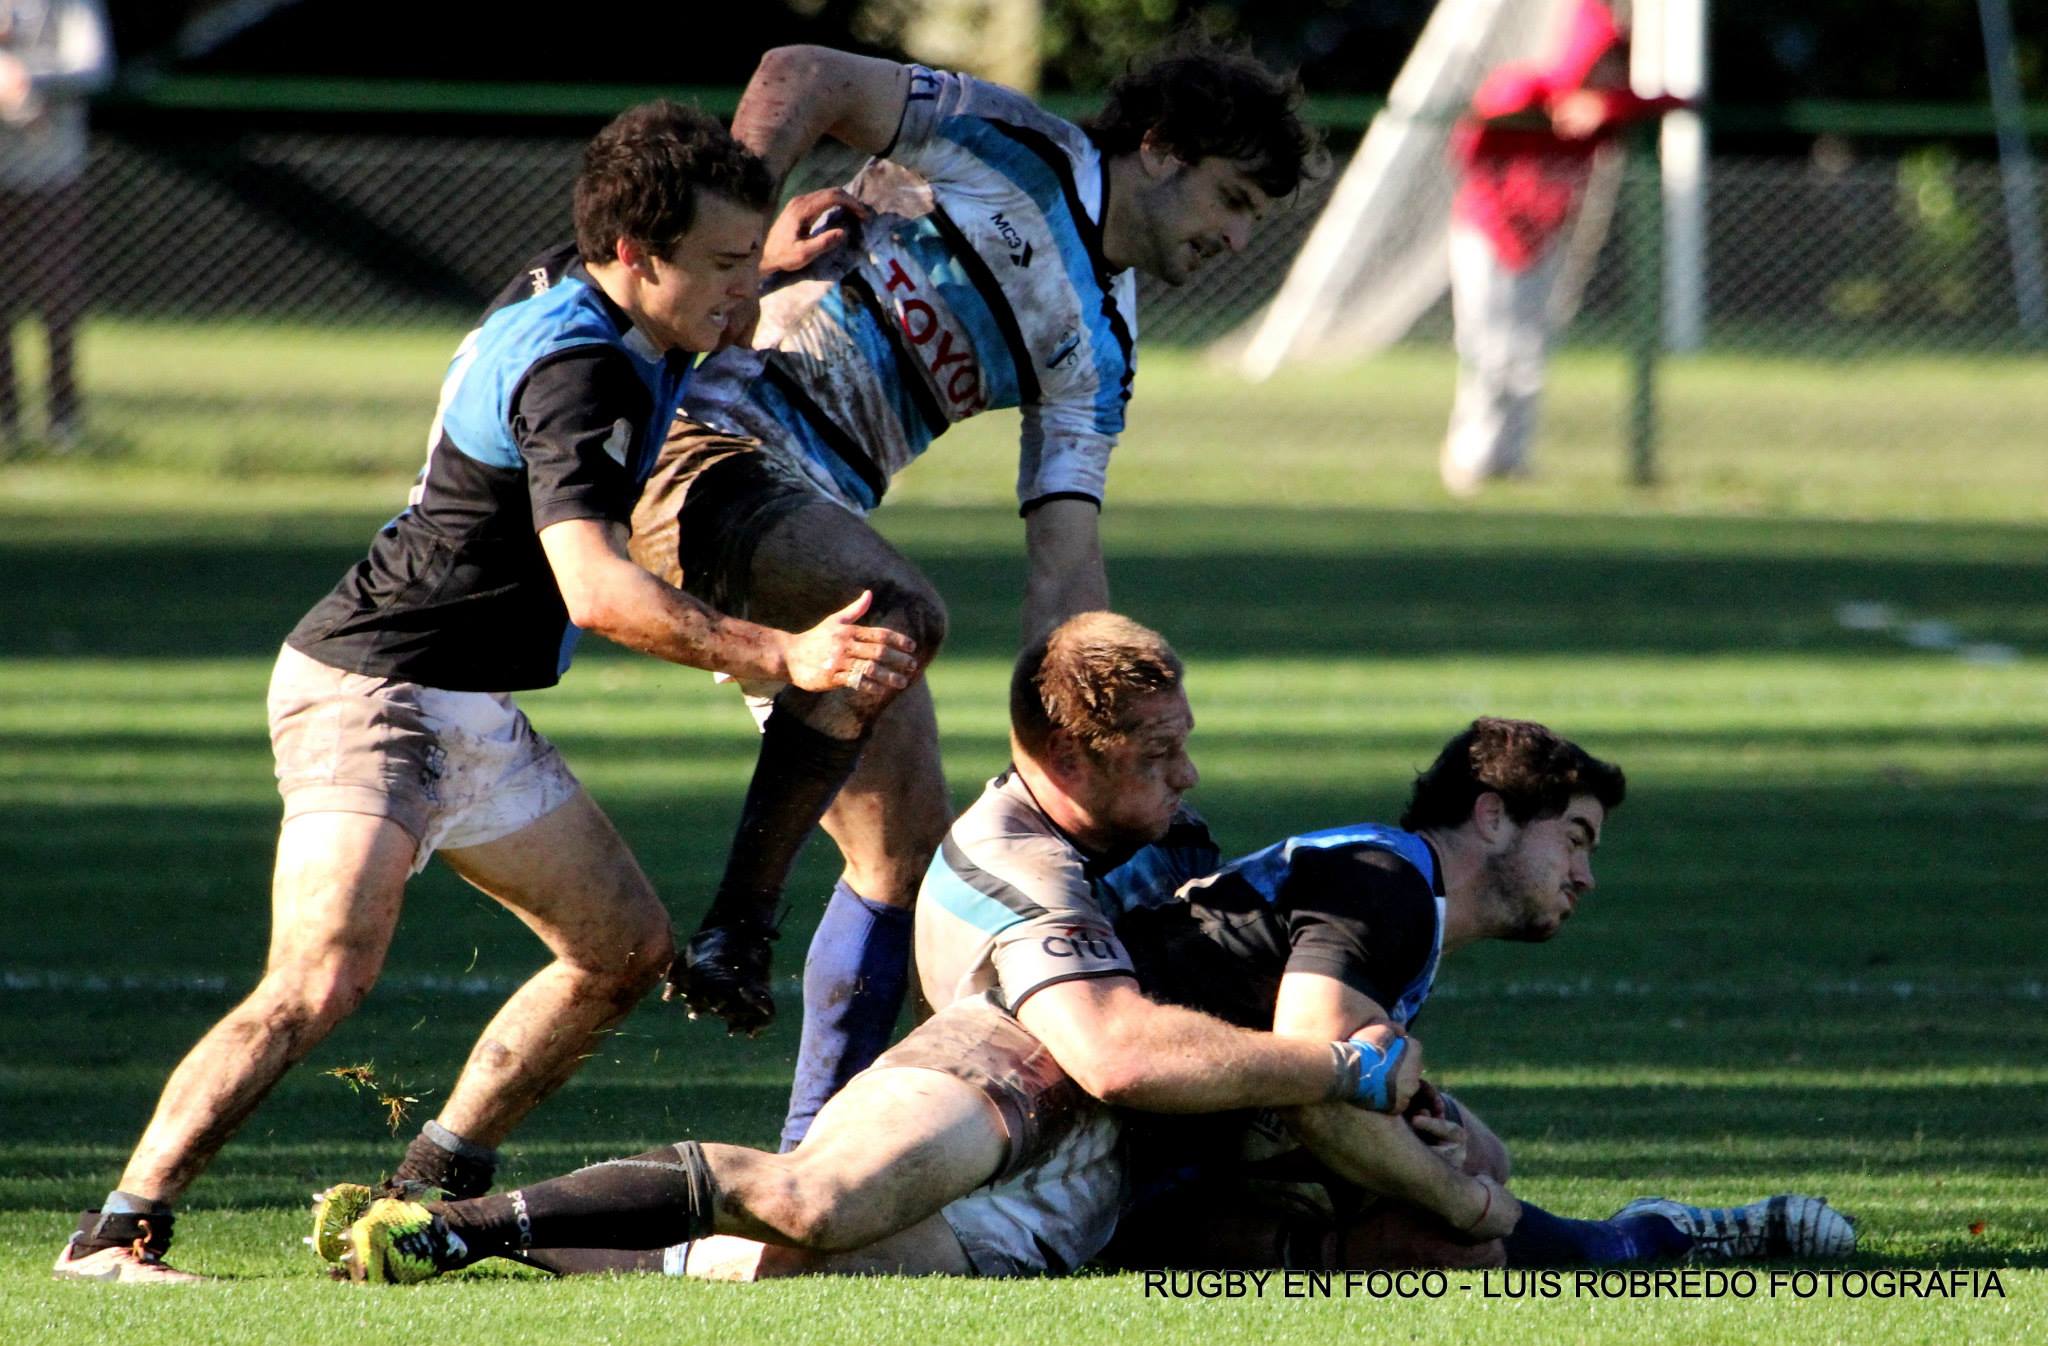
(1525, 155)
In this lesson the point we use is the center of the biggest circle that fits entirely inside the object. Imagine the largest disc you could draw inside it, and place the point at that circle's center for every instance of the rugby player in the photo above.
(389, 717)
(1347, 926)
(983, 1143)
(994, 269)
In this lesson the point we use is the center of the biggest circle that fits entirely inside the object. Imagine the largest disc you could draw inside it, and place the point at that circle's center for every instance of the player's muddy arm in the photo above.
(607, 593)
(1063, 541)
(799, 95)
(1378, 1152)
(1382, 1154)
(1137, 1053)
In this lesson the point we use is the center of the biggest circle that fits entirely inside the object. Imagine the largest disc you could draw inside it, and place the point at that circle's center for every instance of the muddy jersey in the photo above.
(979, 282)
(552, 409)
(1011, 904)
(1361, 904)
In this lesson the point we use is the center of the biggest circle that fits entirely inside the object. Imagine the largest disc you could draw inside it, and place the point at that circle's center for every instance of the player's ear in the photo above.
(1156, 157)
(635, 257)
(1490, 818)
(1065, 755)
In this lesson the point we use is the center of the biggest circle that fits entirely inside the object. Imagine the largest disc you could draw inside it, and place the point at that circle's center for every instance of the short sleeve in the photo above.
(578, 418)
(1360, 915)
(1048, 949)
(1044, 923)
(924, 140)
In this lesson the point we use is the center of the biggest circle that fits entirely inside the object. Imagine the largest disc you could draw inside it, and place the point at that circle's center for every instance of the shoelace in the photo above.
(141, 1245)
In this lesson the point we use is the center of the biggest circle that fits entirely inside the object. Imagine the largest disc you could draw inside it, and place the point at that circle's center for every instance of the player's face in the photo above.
(713, 268)
(1133, 788)
(1197, 212)
(1536, 879)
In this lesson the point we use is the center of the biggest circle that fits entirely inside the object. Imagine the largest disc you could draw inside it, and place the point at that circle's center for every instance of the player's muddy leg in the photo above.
(1395, 1234)
(335, 897)
(812, 562)
(887, 820)
(885, 1154)
(927, 1248)
(571, 879)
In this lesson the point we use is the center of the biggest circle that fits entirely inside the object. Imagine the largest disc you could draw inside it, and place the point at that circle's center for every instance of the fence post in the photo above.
(1643, 211)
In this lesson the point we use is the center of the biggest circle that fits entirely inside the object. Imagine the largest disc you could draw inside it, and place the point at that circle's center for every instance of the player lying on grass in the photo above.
(998, 1103)
(389, 714)
(1349, 925)
(994, 268)
(1342, 926)
(1310, 956)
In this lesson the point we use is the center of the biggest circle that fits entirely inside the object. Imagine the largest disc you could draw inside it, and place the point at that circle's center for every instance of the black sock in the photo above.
(99, 1229)
(652, 1200)
(799, 771)
(439, 1158)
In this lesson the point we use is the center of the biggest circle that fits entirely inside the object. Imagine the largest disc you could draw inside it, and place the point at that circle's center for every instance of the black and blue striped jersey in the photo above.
(552, 409)
(1362, 904)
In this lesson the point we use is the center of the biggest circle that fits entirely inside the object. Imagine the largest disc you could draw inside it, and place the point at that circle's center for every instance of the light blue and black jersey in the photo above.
(1360, 904)
(552, 409)
(980, 282)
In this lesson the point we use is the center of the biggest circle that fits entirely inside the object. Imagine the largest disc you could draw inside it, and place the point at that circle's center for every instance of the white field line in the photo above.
(1922, 633)
(1584, 988)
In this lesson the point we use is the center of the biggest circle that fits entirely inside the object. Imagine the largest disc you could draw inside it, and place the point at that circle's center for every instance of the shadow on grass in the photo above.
(1372, 583)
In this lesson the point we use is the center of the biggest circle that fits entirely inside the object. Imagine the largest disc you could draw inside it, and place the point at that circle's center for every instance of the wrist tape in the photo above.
(1365, 1072)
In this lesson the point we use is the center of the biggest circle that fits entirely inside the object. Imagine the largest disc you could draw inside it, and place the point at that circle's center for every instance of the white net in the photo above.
(1376, 259)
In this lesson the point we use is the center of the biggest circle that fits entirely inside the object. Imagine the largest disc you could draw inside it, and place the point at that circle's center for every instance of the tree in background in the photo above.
(1874, 49)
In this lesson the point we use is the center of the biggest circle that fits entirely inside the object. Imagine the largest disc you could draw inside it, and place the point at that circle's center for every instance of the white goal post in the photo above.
(1376, 258)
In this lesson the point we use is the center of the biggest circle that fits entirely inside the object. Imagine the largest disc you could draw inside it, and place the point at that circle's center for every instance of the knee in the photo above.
(633, 962)
(297, 1005)
(816, 1214)
(1486, 1154)
(649, 957)
(914, 608)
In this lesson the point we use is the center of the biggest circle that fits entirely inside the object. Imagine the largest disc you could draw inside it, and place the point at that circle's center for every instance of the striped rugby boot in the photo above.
(1803, 1227)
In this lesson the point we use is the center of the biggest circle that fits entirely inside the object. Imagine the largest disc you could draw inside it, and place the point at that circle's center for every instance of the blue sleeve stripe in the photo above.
(962, 868)
(1109, 402)
(571, 633)
(966, 897)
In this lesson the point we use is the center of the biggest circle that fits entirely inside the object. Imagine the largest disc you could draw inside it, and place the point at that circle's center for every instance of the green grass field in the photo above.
(1814, 962)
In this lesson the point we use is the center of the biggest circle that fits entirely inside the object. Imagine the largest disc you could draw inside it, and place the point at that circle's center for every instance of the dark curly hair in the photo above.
(1201, 99)
(641, 175)
(1534, 772)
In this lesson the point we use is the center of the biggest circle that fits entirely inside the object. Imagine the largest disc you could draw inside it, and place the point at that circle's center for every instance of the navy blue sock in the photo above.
(854, 979)
(1541, 1239)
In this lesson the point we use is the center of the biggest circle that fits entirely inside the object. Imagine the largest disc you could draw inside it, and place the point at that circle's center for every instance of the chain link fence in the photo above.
(1833, 264)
